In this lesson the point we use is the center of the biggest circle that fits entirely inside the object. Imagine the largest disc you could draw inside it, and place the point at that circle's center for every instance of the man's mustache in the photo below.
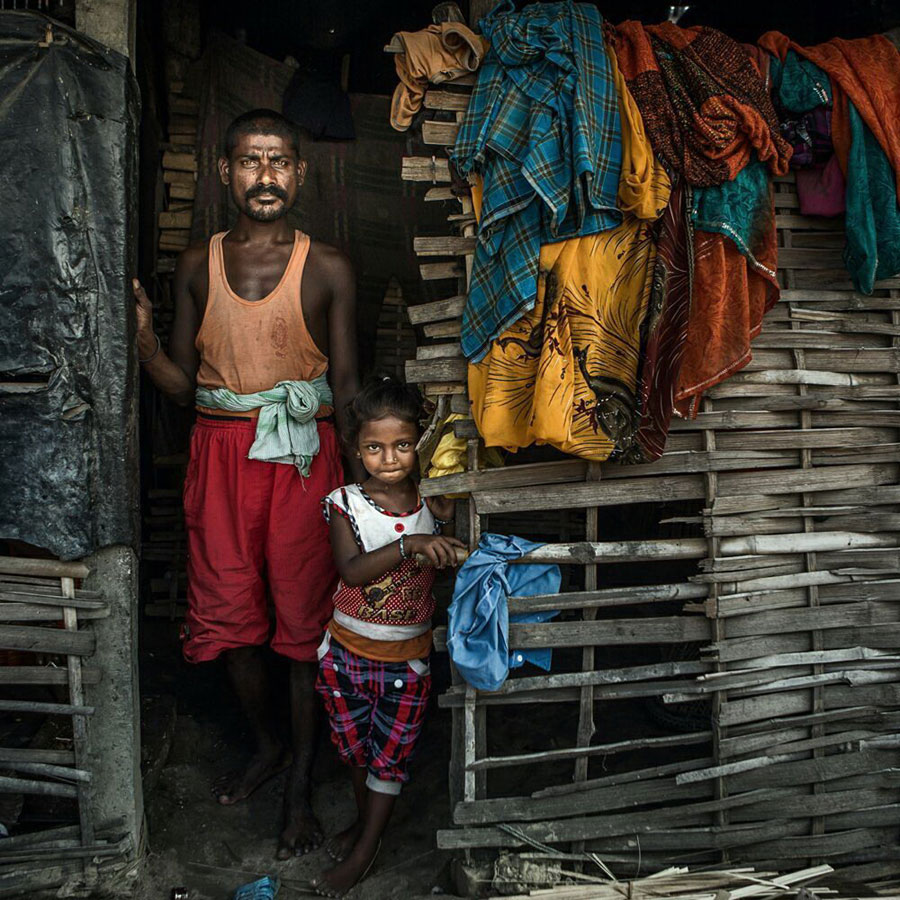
(260, 190)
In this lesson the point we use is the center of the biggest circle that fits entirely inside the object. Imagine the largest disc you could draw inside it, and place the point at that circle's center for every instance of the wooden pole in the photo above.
(45, 568)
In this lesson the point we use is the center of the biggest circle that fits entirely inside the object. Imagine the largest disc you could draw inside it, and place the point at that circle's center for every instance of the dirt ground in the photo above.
(211, 849)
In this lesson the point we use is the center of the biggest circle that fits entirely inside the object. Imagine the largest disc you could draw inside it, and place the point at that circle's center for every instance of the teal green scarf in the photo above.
(286, 429)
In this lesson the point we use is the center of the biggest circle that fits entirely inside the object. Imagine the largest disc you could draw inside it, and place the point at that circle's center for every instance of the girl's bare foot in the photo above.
(339, 846)
(347, 874)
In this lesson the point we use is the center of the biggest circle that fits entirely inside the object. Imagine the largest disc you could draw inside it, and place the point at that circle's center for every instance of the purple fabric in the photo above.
(810, 136)
(821, 190)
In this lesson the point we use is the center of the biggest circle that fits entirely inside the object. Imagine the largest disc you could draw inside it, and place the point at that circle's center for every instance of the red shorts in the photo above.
(252, 525)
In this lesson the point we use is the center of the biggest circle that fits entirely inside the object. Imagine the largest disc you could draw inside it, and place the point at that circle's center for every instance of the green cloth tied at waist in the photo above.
(286, 430)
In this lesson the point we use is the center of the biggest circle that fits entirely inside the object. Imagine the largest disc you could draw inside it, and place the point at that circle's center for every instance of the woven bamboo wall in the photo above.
(46, 754)
(779, 625)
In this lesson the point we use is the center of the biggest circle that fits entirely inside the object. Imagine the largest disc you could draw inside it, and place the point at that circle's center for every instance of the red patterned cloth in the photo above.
(703, 100)
(662, 349)
(402, 596)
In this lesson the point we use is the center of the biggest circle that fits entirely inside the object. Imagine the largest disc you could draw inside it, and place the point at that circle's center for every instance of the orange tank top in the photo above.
(251, 345)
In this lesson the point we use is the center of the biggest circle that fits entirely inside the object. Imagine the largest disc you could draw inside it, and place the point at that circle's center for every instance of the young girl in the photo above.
(373, 673)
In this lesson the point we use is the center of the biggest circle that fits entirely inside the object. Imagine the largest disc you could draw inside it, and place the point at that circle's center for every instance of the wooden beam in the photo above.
(49, 568)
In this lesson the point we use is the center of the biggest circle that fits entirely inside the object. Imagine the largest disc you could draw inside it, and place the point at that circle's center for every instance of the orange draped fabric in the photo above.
(706, 107)
(719, 329)
(865, 71)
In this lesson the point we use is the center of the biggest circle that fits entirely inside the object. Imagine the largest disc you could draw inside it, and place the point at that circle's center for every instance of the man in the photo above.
(264, 345)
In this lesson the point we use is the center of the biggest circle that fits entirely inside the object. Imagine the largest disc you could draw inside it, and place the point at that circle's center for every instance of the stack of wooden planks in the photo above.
(395, 339)
(163, 553)
(179, 164)
(777, 603)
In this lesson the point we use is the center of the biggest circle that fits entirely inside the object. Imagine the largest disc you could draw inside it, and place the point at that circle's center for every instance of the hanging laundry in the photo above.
(742, 209)
(450, 452)
(802, 93)
(864, 72)
(810, 137)
(872, 217)
(435, 54)
(704, 102)
(566, 373)
(666, 327)
(735, 284)
(710, 118)
(821, 191)
(644, 183)
(543, 130)
(478, 617)
(720, 327)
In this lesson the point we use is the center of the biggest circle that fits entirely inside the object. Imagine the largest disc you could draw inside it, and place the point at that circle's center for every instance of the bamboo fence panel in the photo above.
(44, 612)
(786, 491)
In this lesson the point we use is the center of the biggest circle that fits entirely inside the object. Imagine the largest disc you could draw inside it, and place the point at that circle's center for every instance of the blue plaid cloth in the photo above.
(543, 131)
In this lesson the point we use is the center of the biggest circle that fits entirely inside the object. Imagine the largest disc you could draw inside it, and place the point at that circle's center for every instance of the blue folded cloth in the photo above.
(478, 630)
(264, 889)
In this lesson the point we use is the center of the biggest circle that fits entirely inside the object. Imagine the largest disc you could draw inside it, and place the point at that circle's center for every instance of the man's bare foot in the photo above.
(240, 784)
(302, 833)
(339, 846)
(347, 874)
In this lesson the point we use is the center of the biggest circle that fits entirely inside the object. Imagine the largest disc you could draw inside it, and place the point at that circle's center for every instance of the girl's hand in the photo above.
(440, 551)
(441, 507)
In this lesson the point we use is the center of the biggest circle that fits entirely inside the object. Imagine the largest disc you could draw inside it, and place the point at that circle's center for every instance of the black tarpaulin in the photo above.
(68, 123)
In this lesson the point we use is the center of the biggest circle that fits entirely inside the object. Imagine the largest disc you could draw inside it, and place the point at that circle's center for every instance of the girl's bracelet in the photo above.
(402, 548)
(152, 356)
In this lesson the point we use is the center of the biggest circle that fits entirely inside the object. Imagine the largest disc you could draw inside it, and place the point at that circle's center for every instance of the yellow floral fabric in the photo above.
(566, 373)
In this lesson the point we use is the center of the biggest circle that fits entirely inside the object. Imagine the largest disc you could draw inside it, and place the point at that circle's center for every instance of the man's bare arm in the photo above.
(342, 347)
(175, 372)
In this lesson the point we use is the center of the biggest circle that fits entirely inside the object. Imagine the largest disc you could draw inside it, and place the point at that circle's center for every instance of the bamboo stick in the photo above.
(804, 543)
(50, 568)
(585, 553)
(61, 773)
(681, 740)
(42, 788)
(50, 709)
(565, 830)
(608, 597)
